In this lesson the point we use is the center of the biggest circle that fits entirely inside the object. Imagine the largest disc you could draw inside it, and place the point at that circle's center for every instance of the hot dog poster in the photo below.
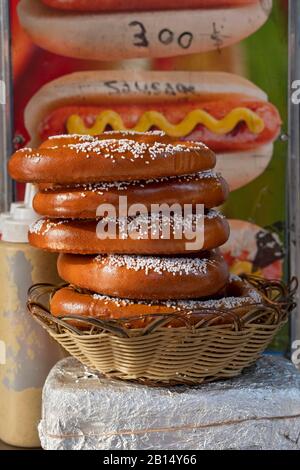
(204, 70)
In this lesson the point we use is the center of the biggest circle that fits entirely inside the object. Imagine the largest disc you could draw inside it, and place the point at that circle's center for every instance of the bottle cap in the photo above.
(15, 224)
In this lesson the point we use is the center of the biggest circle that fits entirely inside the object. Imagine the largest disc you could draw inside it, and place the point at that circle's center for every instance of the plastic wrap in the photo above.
(258, 410)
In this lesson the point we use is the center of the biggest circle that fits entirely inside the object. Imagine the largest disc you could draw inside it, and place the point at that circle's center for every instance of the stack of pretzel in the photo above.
(124, 276)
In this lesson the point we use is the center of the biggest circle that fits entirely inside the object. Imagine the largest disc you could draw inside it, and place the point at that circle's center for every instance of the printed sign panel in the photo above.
(205, 70)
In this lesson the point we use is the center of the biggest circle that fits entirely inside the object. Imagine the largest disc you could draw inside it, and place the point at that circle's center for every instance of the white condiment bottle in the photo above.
(27, 353)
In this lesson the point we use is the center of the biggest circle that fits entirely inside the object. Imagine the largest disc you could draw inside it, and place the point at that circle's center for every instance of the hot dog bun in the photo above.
(109, 89)
(114, 36)
(251, 164)
(138, 5)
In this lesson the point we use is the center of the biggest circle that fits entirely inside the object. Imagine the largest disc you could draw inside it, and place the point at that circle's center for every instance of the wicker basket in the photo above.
(157, 355)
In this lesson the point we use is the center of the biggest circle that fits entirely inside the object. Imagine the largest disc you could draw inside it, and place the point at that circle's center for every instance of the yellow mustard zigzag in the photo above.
(150, 119)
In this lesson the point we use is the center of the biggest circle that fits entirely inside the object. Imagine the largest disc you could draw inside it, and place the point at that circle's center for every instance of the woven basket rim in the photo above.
(162, 356)
(278, 303)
